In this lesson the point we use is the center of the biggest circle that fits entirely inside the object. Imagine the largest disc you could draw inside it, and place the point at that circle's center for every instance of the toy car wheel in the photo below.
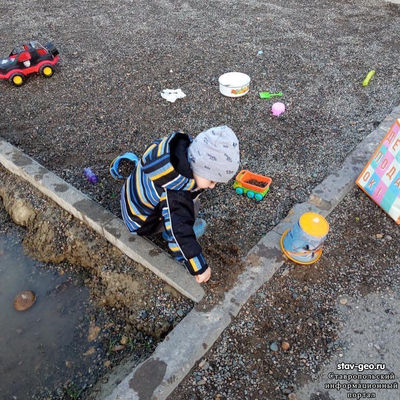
(239, 190)
(46, 70)
(17, 79)
(258, 196)
(250, 194)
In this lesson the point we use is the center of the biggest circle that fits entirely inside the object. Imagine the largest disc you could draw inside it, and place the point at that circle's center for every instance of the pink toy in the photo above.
(278, 109)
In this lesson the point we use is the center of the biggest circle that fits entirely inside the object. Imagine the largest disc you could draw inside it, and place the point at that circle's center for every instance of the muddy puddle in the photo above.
(41, 349)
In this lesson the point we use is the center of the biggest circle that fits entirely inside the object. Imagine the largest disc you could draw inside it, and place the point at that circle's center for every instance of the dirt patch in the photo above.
(135, 309)
(256, 183)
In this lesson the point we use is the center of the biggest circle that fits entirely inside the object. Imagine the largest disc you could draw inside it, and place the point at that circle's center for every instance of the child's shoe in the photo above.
(165, 236)
(199, 228)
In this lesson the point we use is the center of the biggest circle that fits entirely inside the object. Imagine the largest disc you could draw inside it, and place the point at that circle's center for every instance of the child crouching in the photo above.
(161, 192)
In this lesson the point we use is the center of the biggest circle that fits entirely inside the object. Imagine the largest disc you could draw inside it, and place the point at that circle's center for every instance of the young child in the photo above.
(161, 191)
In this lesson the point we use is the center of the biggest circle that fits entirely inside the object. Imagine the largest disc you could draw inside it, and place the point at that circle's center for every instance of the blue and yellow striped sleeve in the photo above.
(196, 265)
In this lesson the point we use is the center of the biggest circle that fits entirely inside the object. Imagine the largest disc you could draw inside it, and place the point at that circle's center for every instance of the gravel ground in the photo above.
(104, 99)
(116, 58)
(344, 308)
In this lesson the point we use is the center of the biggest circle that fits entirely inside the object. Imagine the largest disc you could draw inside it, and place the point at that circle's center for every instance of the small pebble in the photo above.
(379, 236)
(285, 345)
(91, 351)
(201, 382)
(24, 300)
(181, 313)
(292, 396)
(274, 347)
(118, 347)
(343, 301)
(205, 366)
(124, 340)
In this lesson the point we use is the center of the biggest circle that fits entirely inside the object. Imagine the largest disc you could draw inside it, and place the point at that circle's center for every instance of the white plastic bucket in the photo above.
(234, 84)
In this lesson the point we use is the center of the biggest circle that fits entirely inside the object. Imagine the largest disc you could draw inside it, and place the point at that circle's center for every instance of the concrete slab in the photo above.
(102, 221)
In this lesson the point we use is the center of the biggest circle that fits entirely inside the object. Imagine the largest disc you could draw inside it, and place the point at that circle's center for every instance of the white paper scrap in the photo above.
(172, 94)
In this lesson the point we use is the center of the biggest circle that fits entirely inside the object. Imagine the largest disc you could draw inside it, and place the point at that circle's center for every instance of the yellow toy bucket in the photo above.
(303, 243)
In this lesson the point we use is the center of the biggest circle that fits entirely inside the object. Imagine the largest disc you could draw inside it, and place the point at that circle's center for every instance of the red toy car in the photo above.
(28, 59)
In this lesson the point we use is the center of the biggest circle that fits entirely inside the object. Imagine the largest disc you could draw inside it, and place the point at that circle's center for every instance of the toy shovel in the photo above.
(268, 95)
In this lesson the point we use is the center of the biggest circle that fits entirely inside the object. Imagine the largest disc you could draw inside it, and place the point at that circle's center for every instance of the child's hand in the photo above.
(204, 277)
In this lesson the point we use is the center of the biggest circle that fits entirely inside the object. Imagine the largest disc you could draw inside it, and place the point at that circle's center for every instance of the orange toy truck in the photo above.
(252, 185)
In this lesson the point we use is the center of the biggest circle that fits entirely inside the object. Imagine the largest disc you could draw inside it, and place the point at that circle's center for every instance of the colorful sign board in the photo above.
(380, 178)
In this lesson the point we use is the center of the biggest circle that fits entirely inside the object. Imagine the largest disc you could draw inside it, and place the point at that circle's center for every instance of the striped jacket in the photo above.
(161, 190)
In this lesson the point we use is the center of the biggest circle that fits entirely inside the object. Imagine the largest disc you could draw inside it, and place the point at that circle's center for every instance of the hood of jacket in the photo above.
(166, 162)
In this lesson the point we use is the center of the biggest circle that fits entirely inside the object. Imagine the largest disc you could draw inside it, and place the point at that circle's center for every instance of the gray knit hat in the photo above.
(214, 154)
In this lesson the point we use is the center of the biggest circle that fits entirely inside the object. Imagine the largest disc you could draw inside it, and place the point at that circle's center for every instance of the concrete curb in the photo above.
(172, 360)
(102, 221)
